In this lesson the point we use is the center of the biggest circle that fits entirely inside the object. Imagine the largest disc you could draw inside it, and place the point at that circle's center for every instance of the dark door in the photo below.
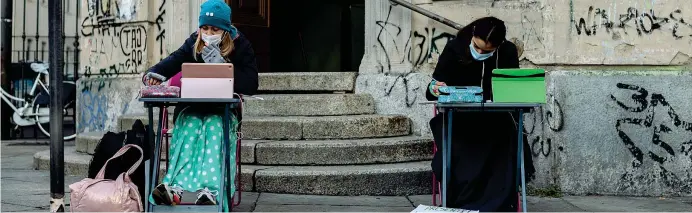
(251, 17)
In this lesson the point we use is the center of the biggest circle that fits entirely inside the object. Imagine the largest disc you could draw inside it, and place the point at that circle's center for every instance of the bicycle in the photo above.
(36, 110)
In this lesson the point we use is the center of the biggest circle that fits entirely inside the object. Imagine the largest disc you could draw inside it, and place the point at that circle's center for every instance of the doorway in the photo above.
(303, 35)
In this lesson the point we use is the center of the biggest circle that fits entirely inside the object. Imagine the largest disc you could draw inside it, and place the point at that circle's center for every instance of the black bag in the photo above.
(110, 143)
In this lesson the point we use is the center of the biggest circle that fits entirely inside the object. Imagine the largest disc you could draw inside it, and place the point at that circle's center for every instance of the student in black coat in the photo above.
(484, 147)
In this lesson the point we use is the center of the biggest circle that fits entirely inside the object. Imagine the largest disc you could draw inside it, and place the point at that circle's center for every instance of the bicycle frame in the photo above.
(6, 97)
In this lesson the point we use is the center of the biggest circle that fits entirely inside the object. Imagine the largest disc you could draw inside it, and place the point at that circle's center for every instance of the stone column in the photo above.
(387, 29)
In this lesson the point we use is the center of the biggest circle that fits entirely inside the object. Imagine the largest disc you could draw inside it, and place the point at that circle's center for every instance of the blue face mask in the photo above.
(476, 55)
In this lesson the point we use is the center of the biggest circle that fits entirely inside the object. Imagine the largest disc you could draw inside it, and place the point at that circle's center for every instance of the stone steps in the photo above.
(305, 128)
(303, 82)
(309, 105)
(374, 179)
(317, 152)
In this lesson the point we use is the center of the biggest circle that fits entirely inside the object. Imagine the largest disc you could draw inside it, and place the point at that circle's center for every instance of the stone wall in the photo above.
(618, 132)
(592, 50)
(120, 40)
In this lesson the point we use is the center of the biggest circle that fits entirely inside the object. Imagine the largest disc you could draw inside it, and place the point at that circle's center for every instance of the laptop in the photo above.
(519, 85)
(207, 80)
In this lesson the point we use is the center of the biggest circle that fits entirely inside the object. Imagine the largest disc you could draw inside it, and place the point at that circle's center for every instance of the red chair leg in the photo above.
(519, 202)
(436, 190)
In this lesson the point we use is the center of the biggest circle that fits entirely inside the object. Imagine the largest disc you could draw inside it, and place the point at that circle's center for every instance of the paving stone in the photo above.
(248, 201)
(17, 162)
(687, 200)
(30, 193)
(327, 208)
(626, 204)
(6, 207)
(548, 204)
(10, 187)
(293, 199)
(21, 157)
(421, 199)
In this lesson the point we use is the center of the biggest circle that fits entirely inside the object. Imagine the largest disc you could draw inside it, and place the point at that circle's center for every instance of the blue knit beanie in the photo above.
(218, 14)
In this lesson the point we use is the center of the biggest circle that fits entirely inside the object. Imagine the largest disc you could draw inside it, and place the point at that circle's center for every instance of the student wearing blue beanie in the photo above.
(194, 151)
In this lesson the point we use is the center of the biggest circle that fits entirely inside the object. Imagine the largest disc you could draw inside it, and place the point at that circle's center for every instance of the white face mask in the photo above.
(212, 39)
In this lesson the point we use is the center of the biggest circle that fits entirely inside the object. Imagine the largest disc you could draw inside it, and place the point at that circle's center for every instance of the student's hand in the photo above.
(436, 87)
(212, 54)
(153, 81)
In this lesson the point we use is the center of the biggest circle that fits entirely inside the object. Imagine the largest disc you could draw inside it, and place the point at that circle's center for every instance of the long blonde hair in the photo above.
(226, 45)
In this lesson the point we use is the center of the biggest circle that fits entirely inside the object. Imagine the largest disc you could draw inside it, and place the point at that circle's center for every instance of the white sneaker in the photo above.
(206, 197)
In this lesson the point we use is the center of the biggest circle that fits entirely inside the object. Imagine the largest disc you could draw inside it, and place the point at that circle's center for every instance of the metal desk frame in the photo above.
(156, 140)
(447, 110)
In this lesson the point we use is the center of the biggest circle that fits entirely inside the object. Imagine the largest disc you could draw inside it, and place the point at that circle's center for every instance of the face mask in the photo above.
(211, 39)
(476, 55)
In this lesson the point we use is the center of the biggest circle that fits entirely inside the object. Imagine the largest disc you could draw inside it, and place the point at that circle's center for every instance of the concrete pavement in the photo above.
(27, 190)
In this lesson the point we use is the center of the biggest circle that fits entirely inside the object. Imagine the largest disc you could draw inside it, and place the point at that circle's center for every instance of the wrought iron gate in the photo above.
(30, 45)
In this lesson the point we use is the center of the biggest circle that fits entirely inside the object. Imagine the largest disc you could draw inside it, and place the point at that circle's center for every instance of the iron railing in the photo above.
(427, 13)
(30, 43)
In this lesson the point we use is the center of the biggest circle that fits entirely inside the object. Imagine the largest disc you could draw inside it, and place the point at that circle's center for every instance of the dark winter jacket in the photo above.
(456, 67)
(242, 57)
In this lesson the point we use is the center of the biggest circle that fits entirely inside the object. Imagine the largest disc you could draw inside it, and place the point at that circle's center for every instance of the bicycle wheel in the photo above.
(42, 111)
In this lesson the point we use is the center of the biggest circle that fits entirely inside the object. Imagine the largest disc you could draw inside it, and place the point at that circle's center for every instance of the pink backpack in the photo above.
(105, 195)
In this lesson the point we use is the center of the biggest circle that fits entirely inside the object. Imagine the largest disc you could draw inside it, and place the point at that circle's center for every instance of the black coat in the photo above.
(456, 67)
(484, 144)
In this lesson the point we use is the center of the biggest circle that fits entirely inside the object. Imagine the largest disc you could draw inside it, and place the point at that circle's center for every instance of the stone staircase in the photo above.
(315, 138)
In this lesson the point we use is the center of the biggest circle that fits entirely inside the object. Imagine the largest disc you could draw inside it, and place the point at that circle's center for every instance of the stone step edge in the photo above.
(307, 152)
(305, 127)
(308, 81)
(415, 176)
(367, 109)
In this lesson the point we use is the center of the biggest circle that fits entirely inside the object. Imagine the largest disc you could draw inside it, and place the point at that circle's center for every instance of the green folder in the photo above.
(519, 85)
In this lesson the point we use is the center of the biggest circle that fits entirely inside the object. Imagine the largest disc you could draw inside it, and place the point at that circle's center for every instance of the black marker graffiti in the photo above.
(643, 22)
(554, 114)
(668, 151)
(162, 32)
(106, 34)
(542, 145)
(425, 43)
(410, 93)
(133, 43)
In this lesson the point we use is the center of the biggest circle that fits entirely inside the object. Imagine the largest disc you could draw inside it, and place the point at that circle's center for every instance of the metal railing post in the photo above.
(427, 13)
(57, 154)
(6, 63)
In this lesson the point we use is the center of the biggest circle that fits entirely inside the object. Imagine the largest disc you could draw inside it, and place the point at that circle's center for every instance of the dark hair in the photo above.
(490, 29)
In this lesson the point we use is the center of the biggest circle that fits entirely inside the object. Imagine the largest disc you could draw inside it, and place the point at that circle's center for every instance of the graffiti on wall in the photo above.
(549, 115)
(109, 38)
(92, 110)
(410, 88)
(633, 22)
(162, 32)
(420, 46)
(668, 139)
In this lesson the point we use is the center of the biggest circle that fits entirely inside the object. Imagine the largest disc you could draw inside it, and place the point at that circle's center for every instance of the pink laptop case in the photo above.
(207, 88)
(201, 80)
